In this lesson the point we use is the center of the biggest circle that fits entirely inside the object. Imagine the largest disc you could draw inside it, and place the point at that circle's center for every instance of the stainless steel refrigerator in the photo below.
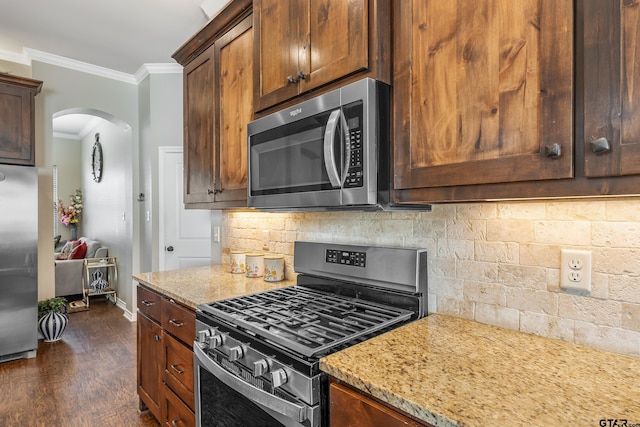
(18, 261)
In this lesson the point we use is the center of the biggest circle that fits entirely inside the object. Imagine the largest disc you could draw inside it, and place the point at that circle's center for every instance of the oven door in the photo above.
(223, 399)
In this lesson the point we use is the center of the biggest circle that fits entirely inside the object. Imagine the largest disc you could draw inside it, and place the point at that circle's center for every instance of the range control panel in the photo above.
(357, 259)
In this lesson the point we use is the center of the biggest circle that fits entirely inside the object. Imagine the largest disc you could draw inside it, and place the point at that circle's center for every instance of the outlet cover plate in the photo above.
(575, 270)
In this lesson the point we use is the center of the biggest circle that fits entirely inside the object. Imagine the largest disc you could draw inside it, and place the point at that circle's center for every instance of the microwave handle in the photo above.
(336, 177)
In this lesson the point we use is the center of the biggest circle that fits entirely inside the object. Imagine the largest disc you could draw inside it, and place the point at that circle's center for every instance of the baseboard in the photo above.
(131, 317)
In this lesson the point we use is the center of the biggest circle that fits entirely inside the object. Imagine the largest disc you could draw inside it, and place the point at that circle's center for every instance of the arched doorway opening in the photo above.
(107, 204)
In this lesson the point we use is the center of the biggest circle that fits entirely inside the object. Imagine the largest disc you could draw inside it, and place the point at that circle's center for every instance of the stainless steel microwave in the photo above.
(329, 152)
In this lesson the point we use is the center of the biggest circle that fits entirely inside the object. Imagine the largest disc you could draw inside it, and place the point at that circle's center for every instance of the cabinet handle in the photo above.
(600, 145)
(301, 76)
(178, 370)
(157, 337)
(210, 191)
(291, 79)
(553, 151)
(147, 303)
(175, 422)
(176, 323)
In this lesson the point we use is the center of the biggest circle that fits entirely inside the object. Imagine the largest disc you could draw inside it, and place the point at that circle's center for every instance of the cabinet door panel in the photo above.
(199, 129)
(612, 86)
(349, 408)
(149, 364)
(17, 119)
(277, 37)
(478, 96)
(235, 74)
(338, 39)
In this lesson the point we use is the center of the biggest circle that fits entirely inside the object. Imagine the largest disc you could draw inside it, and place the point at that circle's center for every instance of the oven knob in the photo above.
(215, 341)
(278, 378)
(260, 367)
(203, 336)
(235, 353)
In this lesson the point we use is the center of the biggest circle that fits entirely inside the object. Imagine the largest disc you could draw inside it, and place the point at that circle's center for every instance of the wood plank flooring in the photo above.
(86, 379)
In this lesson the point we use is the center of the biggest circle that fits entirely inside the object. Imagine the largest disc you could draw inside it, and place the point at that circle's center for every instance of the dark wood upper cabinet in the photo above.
(612, 88)
(301, 45)
(17, 119)
(199, 132)
(483, 93)
(218, 105)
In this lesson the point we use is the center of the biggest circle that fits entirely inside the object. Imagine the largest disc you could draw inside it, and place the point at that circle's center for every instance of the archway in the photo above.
(107, 214)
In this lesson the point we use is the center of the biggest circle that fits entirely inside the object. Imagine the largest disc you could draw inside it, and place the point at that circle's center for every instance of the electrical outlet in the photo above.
(265, 240)
(575, 269)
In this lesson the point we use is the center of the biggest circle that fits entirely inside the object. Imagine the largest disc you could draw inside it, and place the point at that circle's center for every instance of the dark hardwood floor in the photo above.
(86, 379)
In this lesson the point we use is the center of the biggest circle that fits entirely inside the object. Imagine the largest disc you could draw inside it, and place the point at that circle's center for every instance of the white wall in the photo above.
(108, 203)
(67, 155)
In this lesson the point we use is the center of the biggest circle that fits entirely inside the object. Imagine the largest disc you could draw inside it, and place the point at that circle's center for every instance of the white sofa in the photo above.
(68, 273)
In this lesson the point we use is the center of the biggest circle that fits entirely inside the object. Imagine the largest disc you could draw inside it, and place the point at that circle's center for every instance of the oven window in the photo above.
(221, 406)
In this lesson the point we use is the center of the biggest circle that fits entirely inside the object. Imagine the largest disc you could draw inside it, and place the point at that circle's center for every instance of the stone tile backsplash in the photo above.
(496, 263)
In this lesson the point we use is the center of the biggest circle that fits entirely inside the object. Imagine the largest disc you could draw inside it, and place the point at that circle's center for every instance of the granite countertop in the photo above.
(194, 286)
(453, 372)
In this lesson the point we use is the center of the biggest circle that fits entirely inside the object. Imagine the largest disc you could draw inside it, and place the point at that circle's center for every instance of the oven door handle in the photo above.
(336, 177)
(281, 406)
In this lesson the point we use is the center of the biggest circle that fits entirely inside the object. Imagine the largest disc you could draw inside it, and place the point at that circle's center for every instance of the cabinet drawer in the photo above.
(178, 369)
(177, 413)
(149, 303)
(179, 321)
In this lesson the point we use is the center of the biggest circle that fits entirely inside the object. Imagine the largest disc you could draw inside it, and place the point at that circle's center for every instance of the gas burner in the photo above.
(305, 320)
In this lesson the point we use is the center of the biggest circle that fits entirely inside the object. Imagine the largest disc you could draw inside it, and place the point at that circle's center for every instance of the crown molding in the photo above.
(29, 54)
(157, 68)
(18, 58)
(84, 67)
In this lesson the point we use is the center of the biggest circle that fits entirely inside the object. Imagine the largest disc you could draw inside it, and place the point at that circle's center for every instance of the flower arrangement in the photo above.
(71, 214)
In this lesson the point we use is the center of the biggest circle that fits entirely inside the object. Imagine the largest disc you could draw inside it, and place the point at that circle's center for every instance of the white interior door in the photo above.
(185, 234)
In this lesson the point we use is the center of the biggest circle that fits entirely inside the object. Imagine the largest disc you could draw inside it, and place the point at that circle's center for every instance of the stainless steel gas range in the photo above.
(257, 356)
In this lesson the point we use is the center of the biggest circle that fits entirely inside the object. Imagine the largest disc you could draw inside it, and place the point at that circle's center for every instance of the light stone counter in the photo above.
(193, 286)
(453, 372)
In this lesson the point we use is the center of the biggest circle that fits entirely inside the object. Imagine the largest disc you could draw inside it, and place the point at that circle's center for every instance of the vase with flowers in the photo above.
(70, 215)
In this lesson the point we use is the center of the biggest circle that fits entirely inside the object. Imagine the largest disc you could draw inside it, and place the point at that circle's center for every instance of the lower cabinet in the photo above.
(349, 407)
(166, 331)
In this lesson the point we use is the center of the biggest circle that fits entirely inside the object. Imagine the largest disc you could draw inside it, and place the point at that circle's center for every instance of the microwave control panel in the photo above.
(356, 259)
(355, 172)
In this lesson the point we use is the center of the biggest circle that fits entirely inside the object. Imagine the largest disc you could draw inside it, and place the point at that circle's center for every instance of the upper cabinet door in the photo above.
(612, 88)
(199, 182)
(339, 41)
(277, 40)
(301, 45)
(482, 92)
(234, 85)
(17, 119)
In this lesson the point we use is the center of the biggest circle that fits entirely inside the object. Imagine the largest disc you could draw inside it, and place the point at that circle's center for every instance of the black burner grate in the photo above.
(304, 320)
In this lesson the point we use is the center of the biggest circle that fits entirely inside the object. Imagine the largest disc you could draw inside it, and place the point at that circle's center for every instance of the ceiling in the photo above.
(119, 35)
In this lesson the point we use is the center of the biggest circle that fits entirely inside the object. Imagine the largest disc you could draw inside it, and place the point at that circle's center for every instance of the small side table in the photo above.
(100, 278)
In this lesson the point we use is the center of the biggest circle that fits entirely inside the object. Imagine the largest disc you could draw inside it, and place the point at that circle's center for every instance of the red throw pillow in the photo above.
(79, 251)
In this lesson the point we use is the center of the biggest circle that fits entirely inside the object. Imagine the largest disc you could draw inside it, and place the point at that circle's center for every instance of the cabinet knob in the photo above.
(210, 191)
(301, 76)
(600, 145)
(291, 80)
(157, 337)
(553, 151)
